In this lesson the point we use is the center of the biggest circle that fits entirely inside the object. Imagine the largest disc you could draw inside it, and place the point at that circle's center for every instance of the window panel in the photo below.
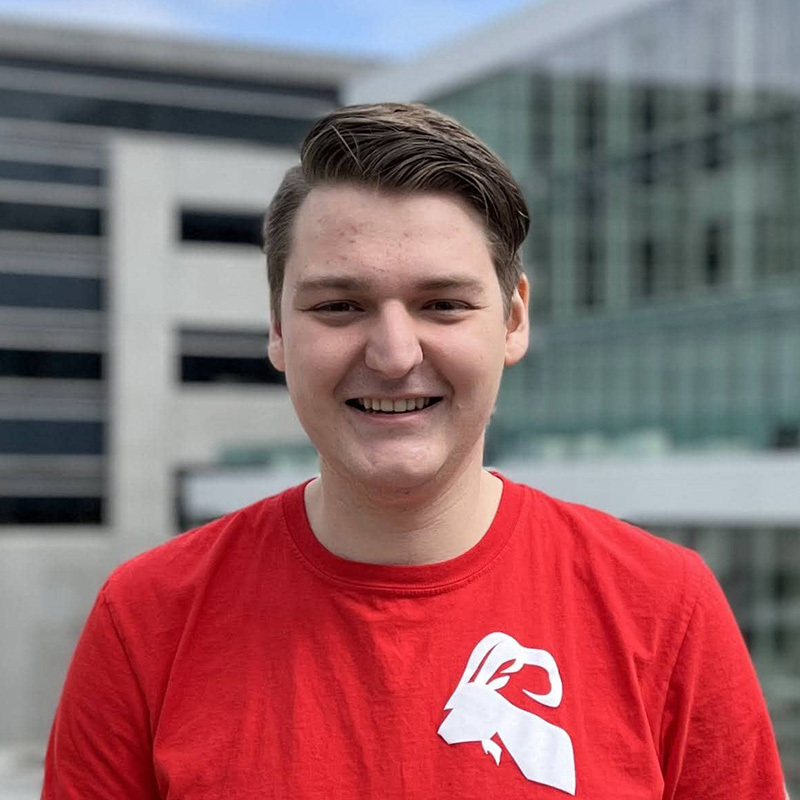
(50, 364)
(50, 219)
(134, 115)
(51, 510)
(50, 173)
(55, 437)
(227, 228)
(214, 369)
(50, 291)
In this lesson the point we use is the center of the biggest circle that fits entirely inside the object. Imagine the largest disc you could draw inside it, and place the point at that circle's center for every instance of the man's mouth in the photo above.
(406, 405)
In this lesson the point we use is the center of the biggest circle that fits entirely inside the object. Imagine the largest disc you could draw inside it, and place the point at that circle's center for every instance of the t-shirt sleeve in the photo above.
(717, 741)
(100, 744)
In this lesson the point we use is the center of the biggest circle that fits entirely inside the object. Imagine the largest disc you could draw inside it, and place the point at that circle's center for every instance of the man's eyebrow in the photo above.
(350, 283)
(344, 282)
(451, 282)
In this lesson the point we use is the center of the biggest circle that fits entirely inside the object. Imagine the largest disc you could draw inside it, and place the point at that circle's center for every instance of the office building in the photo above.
(134, 172)
(657, 143)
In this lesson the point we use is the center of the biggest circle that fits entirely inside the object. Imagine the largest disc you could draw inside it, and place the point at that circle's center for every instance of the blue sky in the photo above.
(387, 28)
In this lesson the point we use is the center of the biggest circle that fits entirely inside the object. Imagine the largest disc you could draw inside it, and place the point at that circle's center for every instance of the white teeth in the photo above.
(394, 406)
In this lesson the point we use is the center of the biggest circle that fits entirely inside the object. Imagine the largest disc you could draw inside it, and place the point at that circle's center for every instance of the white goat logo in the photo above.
(477, 711)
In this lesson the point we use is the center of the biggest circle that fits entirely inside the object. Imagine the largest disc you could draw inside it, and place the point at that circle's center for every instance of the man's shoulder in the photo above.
(185, 559)
(602, 545)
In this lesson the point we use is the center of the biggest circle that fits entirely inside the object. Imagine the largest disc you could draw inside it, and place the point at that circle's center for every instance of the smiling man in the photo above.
(408, 624)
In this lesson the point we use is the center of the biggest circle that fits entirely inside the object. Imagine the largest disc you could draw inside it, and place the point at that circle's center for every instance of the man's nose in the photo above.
(393, 347)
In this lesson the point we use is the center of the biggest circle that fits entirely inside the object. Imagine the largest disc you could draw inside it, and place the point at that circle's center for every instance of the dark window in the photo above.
(648, 268)
(216, 369)
(50, 364)
(712, 255)
(542, 146)
(591, 115)
(676, 162)
(646, 168)
(588, 202)
(51, 510)
(49, 219)
(51, 437)
(542, 109)
(648, 116)
(588, 288)
(713, 152)
(713, 101)
(762, 250)
(50, 173)
(201, 226)
(152, 117)
(786, 436)
(50, 291)
(160, 76)
(589, 273)
(542, 98)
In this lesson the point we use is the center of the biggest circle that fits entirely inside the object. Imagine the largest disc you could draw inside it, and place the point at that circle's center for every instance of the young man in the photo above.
(408, 625)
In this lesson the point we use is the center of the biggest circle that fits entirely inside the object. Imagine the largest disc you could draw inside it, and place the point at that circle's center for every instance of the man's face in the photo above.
(392, 302)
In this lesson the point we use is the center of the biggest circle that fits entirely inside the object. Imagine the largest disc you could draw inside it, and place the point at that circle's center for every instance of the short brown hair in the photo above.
(396, 147)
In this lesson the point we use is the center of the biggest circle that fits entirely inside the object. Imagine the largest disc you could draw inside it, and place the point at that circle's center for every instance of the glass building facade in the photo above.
(663, 180)
(660, 157)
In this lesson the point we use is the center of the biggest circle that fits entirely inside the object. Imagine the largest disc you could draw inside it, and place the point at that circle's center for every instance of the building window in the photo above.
(648, 110)
(590, 115)
(589, 273)
(50, 291)
(205, 226)
(646, 168)
(713, 255)
(713, 101)
(218, 369)
(51, 510)
(176, 79)
(542, 122)
(51, 437)
(50, 173)
(713, 152)
(50, 364)
(135, 115)
(647, 268)
(34, 218)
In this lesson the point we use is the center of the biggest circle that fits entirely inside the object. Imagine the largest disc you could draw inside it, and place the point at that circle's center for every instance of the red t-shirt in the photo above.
(567, 653)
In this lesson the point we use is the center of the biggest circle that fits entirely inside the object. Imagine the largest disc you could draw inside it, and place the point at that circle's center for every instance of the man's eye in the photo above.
(337, 307)
(447, 305)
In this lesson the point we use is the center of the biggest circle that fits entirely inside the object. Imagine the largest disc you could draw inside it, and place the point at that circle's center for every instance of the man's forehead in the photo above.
(354, 282)
(348, 207)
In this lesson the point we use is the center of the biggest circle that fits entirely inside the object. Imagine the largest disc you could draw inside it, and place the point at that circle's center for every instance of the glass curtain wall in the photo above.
(661, 163)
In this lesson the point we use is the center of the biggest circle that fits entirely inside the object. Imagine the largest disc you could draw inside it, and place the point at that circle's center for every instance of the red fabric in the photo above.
(244, 660)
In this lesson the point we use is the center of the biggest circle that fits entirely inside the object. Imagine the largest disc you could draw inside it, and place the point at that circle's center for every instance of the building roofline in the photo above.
(490, 49)
(171, 52)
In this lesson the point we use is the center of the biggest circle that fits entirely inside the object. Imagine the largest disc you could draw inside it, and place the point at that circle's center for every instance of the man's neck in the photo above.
(414, 528)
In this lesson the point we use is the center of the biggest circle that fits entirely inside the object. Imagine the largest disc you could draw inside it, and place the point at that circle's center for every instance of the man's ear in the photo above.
(517, 326)
(275, 347)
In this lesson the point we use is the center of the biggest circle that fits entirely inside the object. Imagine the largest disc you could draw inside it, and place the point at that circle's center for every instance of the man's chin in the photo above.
(395, 476)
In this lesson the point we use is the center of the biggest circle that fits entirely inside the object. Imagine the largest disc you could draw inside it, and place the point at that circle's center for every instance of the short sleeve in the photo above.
(100, 744)
(717, 741)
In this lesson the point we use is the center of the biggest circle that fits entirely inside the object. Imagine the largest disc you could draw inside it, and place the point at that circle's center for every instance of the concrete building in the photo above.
(133, 308)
